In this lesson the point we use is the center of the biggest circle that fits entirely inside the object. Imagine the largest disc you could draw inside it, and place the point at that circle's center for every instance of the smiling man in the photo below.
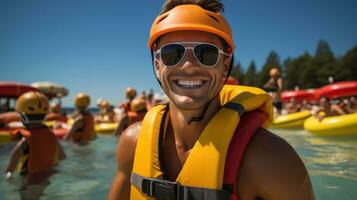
(208, 141)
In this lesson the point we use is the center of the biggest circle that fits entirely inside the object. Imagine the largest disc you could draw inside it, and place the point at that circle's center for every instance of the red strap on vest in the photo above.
(248, 125)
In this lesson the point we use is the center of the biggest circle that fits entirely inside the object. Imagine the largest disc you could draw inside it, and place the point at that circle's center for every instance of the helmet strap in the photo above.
(29, 120)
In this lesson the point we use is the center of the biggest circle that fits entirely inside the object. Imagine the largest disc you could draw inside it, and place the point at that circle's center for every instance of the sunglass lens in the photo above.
(172, 54)
(206, 54)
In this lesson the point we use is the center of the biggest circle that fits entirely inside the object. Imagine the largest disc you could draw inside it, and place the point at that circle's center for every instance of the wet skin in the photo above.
(271, 169)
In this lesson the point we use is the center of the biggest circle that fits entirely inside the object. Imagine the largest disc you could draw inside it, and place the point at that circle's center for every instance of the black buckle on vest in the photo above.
(160, 189)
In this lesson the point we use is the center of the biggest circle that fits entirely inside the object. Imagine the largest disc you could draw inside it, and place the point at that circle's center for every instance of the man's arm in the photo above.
(78, 124)
(337, 109)
(125, 153)
(272, 170)
(122, 124)
(15, 156)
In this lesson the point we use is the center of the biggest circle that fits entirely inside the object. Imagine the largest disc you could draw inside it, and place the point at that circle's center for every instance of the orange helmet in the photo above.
(82, 101)
(191, 18)
(130, 93)
(32, 103)
(274, 71)
(138, 105)
(55, 107)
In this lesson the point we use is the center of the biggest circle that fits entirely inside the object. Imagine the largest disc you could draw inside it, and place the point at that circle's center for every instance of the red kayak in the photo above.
(60, 132)
(14, 90)
(299, 95)
(10, 134)
(337, 90)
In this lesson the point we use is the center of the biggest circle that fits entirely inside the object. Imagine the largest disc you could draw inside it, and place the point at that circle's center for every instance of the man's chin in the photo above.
(189, 103)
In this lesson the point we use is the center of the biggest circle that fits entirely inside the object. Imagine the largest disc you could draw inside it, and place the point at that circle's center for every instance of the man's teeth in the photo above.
(189, 83)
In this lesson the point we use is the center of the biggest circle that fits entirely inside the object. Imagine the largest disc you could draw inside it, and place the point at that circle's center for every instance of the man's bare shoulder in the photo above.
(273, 169)
(131, 133)
(127, 144)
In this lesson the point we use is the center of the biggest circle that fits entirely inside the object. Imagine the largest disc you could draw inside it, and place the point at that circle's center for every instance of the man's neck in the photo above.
(187, 134)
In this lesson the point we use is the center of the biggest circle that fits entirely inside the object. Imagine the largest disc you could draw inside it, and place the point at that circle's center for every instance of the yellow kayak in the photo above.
(102, 127)
(291, 121)
(343, 125)
(5, 136)
(105, 127)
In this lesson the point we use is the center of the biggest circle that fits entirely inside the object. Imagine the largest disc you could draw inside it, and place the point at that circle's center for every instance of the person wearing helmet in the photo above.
(130, 94)
(138, 109)
(55, 114)
(275, 86)
(38, 149)
(150, 99)
(193, 146)
(82, 130)
(106, 113)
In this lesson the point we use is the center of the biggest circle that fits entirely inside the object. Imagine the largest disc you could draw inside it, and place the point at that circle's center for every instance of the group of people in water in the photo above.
(207, 142)
(38, 151)
(324, 107)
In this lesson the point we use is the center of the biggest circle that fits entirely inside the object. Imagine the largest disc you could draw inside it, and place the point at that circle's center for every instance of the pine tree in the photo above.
(250, 75)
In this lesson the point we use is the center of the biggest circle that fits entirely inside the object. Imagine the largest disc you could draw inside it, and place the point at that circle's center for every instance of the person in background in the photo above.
(106, 113)
(352, 105)
(292, 106)
(150, 99)
(275, 86)
(82, 130)
(143, 96)
(55, 114)
(130, 94)
(305, 105)
(38, 151)
(137, 112)
(328, 109)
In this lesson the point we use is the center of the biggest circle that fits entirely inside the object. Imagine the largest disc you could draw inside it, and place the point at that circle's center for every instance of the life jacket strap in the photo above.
(163, 189)
(236, 107)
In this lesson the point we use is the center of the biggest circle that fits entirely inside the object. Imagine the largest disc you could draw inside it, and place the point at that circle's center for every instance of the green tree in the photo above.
(298, 71)
(250, 75)
(237, 72)
(347, 66)
(325, 63)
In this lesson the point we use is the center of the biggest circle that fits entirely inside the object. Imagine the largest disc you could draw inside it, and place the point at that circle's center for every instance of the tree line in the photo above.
(305, 71)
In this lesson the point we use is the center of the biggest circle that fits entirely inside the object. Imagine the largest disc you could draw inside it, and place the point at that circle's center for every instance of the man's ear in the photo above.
(157, 68)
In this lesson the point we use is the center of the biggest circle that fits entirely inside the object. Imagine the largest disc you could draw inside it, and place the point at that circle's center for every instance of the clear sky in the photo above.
(100, 47)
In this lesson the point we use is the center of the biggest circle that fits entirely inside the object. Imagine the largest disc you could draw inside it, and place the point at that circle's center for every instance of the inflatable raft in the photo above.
(101, 128)
(291, 121)
(105, 128)
(337, 90)
(343, 125)
(298, 95)
(14, 90)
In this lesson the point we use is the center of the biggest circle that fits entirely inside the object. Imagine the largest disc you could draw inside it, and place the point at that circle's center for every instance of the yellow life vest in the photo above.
(204, 167)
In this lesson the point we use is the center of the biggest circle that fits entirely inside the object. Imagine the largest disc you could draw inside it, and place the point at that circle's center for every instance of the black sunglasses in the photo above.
(205, 53)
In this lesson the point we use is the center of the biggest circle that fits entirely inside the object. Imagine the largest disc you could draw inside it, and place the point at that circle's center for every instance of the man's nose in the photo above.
(189, 62)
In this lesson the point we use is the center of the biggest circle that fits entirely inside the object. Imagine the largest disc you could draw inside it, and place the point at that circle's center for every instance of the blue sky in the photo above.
(100, 47)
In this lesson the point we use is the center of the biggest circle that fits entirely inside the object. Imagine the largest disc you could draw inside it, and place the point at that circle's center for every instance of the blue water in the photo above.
(88, 171)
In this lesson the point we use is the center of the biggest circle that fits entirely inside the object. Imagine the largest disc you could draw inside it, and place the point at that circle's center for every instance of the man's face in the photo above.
(190, 85)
